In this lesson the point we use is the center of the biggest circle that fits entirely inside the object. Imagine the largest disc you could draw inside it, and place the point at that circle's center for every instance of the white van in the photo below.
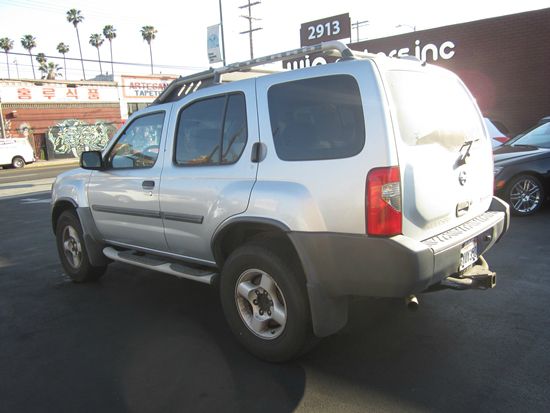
(16, 152)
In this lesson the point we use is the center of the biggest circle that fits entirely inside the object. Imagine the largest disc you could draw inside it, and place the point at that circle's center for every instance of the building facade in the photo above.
(504, 61)
(61, 119)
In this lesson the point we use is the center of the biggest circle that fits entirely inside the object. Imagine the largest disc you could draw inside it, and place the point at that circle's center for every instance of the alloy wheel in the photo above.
(72, 247)
(525, 195)
(261, 304)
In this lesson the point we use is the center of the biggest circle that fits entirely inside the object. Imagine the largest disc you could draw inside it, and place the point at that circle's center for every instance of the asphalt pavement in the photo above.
(145, 342)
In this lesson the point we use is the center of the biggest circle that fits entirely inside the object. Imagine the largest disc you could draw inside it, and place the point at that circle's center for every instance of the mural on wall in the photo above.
(73, 136)
(7, 128)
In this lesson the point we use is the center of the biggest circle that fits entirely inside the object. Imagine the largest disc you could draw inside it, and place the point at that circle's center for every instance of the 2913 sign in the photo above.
(330, 28)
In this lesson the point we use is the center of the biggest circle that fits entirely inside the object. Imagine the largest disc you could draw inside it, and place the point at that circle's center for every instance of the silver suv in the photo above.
(293, 191)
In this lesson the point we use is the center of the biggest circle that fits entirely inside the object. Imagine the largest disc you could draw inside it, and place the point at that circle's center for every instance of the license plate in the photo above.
(468, 254)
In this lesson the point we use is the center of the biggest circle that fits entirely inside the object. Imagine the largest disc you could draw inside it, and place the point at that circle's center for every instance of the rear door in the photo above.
(444, 154)
(208, 172)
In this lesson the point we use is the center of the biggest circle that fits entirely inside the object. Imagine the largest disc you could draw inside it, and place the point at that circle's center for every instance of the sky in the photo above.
(180, 44)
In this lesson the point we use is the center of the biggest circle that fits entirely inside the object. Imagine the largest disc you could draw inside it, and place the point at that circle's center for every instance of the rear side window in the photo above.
(434, 109)
(212, 131)
(315, 119)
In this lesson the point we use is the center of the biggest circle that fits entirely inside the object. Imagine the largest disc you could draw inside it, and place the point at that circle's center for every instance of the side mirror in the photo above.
(91, 160)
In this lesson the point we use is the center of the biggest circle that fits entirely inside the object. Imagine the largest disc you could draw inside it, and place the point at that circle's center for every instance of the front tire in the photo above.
(265, 303)
(72, 250)
(525, 194)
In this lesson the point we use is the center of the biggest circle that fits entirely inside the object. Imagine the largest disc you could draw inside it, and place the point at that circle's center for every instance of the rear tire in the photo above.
(18, 162)
(525, 194)
(265, 303)
(72, 250)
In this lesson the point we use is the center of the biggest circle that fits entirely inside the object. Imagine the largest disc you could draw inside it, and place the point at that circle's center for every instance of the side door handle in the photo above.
(148, 185)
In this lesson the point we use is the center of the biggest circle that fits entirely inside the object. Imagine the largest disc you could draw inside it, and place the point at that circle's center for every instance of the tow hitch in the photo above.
(477, 277)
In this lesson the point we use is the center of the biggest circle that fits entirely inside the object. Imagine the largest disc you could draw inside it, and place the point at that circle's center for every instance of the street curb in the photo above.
(45, 164)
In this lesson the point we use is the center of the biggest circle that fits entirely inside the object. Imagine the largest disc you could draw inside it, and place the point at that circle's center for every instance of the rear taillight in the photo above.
(383, 202)
(502, 139)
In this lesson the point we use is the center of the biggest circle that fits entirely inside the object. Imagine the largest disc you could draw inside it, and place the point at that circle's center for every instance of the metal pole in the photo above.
(16, 68)
(250, 30)
(2, 121)
(221, 27)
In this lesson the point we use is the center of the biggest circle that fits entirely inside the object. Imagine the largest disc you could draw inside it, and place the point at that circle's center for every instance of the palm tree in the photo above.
(6, 44)
(41, 58)
(50, 70)
(148, 34)
(74, 17)
(110, 33)
(29, 42)
(63, 49)
(97, 40)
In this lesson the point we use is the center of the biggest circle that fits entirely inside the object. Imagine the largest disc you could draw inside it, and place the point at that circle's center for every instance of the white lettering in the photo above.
(427, 48)
(403, 52)
(447, 54)
(319, 61)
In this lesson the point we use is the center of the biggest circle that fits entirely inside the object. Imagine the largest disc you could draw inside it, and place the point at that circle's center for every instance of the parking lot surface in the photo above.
(145, 342)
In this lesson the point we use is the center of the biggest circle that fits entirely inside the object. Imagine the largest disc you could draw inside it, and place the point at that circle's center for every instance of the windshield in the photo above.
(539, 136)
(434, 108)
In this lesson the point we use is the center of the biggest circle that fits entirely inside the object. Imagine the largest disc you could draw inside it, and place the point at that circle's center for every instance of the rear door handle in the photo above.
(148, 185)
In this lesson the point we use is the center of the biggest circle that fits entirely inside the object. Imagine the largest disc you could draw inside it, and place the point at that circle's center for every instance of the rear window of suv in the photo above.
(434, 109)
(317, 118)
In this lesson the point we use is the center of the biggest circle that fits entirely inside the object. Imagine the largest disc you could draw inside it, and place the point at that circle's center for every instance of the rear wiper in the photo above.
(462, 160)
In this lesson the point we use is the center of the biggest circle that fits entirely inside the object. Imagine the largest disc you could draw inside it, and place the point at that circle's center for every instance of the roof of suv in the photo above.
(183, 86)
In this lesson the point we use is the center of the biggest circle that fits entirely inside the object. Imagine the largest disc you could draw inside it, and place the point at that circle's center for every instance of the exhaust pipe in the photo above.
(411, 302)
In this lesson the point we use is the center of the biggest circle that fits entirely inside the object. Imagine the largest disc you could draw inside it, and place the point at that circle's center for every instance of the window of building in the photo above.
(319, 118)
(212, 131)
(134, 107)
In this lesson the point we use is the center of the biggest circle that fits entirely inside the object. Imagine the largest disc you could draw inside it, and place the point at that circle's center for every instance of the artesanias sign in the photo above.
(144, 87)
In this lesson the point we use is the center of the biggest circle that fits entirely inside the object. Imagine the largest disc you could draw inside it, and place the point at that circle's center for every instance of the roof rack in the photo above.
(182, 86)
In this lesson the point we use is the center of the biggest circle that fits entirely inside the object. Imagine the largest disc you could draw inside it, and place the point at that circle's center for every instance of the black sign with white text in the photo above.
(329, 28)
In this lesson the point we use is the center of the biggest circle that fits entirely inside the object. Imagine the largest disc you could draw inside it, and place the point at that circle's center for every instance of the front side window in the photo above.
(319, 118)
(212, 131)
(138, 146)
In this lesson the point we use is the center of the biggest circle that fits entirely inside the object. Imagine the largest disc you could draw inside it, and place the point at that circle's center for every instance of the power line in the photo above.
(76, 59)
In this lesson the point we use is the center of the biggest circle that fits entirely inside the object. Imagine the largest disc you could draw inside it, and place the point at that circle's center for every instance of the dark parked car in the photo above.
(522, 170)
(497, 131)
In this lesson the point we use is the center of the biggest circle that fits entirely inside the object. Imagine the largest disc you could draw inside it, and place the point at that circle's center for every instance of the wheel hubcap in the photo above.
(525, 196)
(72, 247)
(260, 304)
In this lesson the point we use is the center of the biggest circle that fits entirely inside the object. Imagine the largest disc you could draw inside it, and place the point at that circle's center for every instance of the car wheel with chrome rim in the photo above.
(265, 302)
(525, 194)
(72, 250)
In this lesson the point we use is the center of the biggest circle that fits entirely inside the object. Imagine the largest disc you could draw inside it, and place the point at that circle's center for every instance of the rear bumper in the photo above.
(340, 265)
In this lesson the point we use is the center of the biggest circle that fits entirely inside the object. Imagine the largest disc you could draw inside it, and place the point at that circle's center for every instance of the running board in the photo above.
(155, 263)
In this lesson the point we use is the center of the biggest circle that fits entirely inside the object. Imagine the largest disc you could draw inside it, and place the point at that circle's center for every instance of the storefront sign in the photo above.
(330, 28)
(144, 87)
(23, 92)
(429, 52)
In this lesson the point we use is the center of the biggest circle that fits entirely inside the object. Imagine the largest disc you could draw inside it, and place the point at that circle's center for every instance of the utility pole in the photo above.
(250, 29)
(16, 68)
(221, 28)
(358, 24)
